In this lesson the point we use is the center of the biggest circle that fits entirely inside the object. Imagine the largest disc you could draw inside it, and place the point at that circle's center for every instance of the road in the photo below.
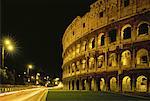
(89, 96)
(42, 94)
(35, 94)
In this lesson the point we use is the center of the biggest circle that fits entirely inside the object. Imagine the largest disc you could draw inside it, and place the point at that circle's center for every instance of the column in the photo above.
(133, 84)
(107, 84)
(95, 85)
(87, 85)
(80, 84)
(75, 85)
(148, 84)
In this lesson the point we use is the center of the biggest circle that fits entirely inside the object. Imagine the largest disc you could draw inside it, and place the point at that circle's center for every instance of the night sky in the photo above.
(37, 27)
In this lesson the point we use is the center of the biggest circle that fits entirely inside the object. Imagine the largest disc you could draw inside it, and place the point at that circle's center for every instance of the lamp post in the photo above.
(8, 46)
(28, 69)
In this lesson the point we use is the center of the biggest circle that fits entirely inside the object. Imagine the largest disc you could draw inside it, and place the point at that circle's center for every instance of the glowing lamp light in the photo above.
(30, 66)
(7, 42)
(10, 48)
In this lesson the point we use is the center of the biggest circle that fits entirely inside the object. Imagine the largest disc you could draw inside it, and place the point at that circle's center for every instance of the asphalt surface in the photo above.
(35, 94)
(89, 96)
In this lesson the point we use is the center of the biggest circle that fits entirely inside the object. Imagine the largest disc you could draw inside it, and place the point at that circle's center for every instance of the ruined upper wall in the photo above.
(102, 13)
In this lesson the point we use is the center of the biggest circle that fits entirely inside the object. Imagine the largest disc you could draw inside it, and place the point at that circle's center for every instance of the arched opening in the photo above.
(143, 29)
(126, 84)
(102, 40)
(126, 3)
(126, 58)
(113, 84)
(100, 61)
(141, 84)
(73, 85)
(83, 84)
(90, 84)
(112, 35)
(83, 64)
(142, 56)
(77, 84)
(93, 43)
(91, 63)
(127, 33)
(102, 84)
(112, 61)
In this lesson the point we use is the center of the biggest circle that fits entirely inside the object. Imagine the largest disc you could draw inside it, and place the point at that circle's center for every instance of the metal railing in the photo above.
(9, 88)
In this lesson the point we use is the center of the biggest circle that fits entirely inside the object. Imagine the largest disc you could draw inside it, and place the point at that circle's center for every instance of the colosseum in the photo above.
(108, 48)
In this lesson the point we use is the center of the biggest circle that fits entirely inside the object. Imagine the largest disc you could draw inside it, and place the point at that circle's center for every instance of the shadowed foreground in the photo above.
(88, 96)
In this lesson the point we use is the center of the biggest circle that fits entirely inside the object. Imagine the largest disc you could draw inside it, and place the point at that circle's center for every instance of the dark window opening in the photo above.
(100, 2)
(83, 25)
(102, 40)
(110, 64)
(73, 32)
(126, 3)
(77, 84)
(144, 59)
(93, 43)
(72, 70)
(101, 14)
(127, 33)
(83, 85)
(85, 46)
(143, 29)
(72, 85)
(112, 35)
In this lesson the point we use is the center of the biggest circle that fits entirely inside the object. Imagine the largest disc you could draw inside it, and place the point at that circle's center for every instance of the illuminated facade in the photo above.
(108, 49)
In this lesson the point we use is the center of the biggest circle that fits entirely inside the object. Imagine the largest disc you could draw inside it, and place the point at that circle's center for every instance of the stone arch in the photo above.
(126, 32)
(83, 47)
(112, 61)
(113, 84)
(126, 84)
(91, 63)
(126, 58)
(143, 28)
(141, 84)
(100, 61)
(102, 84)
(101, 39)
(92, 43)
(83, 84)
(142, 56)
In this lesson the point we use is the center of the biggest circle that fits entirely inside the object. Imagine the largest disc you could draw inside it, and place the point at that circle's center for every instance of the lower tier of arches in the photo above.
(127, 81)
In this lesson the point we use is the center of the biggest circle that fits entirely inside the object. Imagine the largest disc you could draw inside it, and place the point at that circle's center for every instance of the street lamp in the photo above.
(8, 45)
(30, 66)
